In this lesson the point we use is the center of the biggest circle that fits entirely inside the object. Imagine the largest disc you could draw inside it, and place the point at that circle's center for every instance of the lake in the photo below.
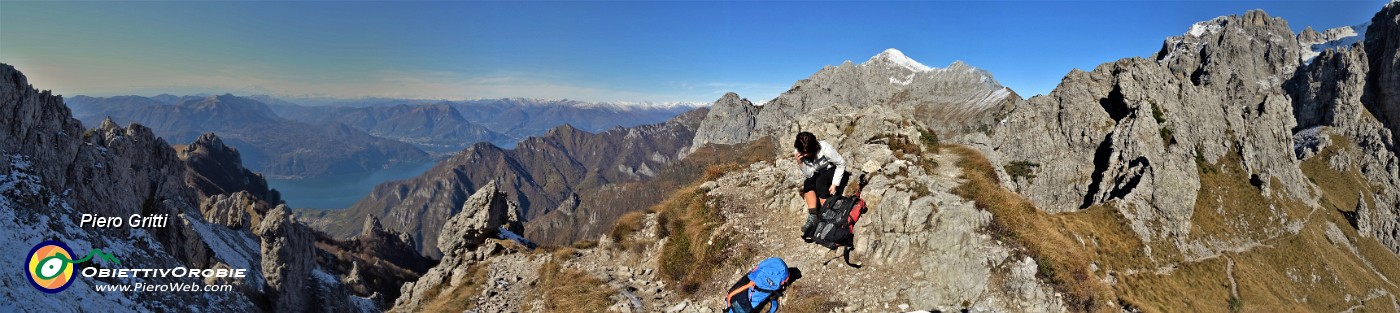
(340, 191)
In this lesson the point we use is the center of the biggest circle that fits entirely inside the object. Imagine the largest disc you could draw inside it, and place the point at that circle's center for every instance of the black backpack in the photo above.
(836, 220)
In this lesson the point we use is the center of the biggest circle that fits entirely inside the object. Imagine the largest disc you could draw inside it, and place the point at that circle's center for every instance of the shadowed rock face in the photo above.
(214, 168)
(1383, 81)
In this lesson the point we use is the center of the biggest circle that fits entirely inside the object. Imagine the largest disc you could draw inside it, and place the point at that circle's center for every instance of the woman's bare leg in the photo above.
(811, 197)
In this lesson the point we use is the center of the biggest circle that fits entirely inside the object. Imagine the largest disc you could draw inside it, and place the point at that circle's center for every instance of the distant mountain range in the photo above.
(542, 173)
(434, 127)
(287, 139)
(269, 144)
(502, 122)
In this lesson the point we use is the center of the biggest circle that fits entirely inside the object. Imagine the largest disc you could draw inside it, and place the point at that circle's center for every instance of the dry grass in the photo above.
(1229, 207)
(462, 297)
(1306, 271)
(1340, 189)
(899, 144)
(692, 251)
(626, 225)
(561, 289)
(1053, 239)
(689, 258)
(584, 244)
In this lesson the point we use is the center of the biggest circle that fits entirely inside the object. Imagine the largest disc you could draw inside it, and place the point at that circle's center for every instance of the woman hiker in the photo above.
(825, 173)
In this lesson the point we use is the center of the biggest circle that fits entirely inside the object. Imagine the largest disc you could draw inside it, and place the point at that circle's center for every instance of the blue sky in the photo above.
(594, 51)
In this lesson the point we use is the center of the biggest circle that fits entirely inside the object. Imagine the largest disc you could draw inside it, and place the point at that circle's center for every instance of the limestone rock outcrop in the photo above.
(465, 240)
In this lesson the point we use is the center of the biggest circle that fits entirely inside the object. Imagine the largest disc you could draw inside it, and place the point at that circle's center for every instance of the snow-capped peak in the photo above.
(1331, 39)
(897, 58)
(1204, 27)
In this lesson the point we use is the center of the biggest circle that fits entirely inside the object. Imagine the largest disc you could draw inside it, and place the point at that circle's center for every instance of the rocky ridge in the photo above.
(466, 239)
(55, 170)
(952, 100)
(915, 223)
(1221, 157)
(539, 174)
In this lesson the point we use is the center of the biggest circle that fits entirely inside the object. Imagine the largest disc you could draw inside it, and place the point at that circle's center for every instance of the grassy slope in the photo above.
(1306, 271)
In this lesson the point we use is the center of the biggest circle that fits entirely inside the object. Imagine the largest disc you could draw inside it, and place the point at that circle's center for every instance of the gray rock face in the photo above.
(465, 240)
(1312, 43)
(1383, 81)
(390, 245)
(294, 281)
(235, 210)
(287, 259)
(1211, 92)
(485, 211)
(953, 100)
(52, 171)
(730, 121)
(1338, 95)
(915, 227)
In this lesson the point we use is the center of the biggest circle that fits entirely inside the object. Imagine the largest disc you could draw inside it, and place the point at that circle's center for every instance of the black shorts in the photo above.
(821, 183)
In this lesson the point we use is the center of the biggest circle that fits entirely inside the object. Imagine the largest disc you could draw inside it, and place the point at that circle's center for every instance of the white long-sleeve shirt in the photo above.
(825, 159)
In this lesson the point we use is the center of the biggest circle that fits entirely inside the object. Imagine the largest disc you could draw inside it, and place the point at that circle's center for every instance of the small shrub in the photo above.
(1021, 169)
(1158, 115)
(930, 140)
(1167, 137)
(1236, 305)
(899, 144)
(921, 190)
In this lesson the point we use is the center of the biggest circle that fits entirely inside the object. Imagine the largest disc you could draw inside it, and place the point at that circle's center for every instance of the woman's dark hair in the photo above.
(807, 144)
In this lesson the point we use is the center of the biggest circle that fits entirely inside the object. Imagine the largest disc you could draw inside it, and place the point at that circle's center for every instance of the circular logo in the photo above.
(50, 266)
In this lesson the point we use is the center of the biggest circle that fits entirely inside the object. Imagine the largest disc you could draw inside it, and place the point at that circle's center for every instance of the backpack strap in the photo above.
(736, 291)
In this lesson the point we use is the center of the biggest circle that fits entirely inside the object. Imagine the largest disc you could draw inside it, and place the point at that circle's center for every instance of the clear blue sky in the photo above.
(596, 51)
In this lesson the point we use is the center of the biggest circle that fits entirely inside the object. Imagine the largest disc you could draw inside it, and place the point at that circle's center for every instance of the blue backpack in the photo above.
(760, 286)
